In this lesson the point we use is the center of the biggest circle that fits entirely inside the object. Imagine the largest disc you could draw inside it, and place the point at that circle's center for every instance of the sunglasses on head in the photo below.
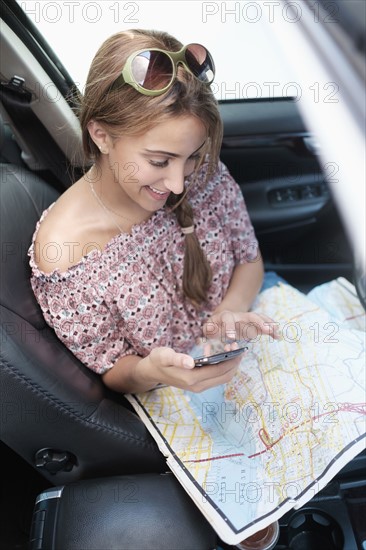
(153, 71)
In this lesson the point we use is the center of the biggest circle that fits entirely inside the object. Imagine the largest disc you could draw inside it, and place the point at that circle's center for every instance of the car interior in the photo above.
(80, 470)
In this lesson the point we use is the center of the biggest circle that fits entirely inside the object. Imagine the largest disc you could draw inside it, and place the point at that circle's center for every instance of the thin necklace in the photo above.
(105, 208)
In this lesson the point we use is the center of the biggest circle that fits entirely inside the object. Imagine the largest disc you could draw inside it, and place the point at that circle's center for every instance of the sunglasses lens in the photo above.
(152, 70)
(200, 62)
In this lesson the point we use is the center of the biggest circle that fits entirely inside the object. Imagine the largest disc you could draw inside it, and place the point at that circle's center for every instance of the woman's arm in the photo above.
(245, 284)
(123, 376)
(231, 320)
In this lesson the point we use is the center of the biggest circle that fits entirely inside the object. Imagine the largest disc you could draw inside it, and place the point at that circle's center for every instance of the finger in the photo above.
(211, 329)
(169, 358)
(210, 372)
(231, 345)
(253, 324)
(222, 375)
(270, 326)
(207, 350)
(206, 377)
(183, 360)
(228, 325)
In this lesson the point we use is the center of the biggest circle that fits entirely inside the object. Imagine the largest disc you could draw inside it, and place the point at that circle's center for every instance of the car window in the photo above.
(248, 61)
(263, 50)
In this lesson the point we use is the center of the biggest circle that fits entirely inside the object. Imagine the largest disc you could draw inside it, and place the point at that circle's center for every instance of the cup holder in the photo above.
(313, 529)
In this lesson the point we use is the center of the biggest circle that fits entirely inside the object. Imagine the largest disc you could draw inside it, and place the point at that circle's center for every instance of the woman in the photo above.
(153, 247)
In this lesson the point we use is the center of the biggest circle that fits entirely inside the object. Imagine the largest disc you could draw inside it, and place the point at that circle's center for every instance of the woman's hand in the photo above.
(163, 365)
(166, 366)
(237, 325)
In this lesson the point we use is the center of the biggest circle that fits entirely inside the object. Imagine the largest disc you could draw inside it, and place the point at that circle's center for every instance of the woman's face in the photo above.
(148, 167)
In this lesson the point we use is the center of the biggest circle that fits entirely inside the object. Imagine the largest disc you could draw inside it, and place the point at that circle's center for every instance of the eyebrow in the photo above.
(158, 152)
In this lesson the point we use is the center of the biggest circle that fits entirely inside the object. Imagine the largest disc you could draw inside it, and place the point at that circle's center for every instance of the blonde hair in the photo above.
(125, 111)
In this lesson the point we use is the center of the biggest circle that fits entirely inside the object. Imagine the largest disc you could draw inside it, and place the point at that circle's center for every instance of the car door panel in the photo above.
(273, 157)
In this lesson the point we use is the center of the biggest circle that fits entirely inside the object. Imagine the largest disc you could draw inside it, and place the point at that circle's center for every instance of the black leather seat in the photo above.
(138, 512)
(50, 400)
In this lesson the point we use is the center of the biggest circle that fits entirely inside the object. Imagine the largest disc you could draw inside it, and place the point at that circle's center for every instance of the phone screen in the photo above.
(218, 357)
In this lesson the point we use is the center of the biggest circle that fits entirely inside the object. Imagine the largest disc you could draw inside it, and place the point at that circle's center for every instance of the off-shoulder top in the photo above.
(127, 298)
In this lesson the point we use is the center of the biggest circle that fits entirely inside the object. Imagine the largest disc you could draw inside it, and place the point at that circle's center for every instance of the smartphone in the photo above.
(218, 357)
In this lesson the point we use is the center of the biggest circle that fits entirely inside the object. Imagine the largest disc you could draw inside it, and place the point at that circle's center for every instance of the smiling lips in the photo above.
(156, 194)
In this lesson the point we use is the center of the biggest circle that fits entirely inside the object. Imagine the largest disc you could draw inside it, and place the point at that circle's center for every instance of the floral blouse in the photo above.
(127, 298)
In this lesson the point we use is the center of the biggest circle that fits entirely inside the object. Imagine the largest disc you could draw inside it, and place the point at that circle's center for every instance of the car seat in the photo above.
(60, 417)
(57, 414)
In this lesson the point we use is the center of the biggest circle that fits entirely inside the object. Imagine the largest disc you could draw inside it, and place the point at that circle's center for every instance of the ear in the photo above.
(99, 135)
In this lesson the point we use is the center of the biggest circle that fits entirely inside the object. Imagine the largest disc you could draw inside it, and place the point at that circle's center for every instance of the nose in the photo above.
(174, 180)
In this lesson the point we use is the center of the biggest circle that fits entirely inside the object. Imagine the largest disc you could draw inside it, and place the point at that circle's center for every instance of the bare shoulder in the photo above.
(68, 231)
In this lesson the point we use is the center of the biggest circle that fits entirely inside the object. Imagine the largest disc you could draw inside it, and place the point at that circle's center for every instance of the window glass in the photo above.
(248, 61)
